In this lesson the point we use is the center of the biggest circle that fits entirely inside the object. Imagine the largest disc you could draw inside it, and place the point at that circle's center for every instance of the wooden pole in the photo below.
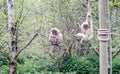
(110, 38)
(103, 43)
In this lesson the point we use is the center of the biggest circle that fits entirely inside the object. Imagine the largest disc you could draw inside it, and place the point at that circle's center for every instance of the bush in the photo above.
(80, 65)
(71, 65)
(4, 69)
(94, 60)
(3, 60)
(116, 65)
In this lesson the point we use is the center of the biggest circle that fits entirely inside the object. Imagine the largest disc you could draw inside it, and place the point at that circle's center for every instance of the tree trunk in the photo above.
(13, 41)
(103, 43)
(13, 37)
(79, 50)
(12, 67)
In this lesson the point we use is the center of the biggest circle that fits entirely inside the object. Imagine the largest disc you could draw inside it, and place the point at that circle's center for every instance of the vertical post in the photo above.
(103, 44)
(110, 41)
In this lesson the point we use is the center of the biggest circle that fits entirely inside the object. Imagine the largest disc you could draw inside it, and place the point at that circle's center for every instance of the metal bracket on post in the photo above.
(103, 32)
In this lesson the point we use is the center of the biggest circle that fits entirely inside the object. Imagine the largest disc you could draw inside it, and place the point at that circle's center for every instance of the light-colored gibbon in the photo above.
(55, 36)
(86, 28)
(81, 37)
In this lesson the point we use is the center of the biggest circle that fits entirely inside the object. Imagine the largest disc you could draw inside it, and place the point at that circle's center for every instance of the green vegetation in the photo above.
(39, 16)
(71, 65)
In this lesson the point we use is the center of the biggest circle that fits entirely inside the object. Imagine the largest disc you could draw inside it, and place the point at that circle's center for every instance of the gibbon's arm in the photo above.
(87, 26)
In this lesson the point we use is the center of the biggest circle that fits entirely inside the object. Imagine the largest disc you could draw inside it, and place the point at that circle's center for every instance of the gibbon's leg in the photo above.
(80, 36)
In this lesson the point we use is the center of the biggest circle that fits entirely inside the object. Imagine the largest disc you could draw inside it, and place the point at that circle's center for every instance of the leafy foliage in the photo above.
(116, 65)
(38, 16)
(80, 65)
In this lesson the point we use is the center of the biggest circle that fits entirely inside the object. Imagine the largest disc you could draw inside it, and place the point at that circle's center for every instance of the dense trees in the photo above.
(32, 17)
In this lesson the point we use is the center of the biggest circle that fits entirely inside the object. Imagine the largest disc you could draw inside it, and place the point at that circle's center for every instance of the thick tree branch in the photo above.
(20, 50)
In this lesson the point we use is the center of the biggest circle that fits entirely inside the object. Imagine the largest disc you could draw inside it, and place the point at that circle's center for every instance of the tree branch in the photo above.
(20, 50)
(115, 54)
(96, 52)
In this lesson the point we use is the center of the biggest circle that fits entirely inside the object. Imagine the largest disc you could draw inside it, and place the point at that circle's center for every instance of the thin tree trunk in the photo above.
(13, 42)
(103, 44)
(13, 67)
(13, 37)
(79, 50)
(77, 47)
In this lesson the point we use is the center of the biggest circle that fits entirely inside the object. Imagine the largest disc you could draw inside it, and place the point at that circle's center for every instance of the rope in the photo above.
(110, 39)
(103, 32)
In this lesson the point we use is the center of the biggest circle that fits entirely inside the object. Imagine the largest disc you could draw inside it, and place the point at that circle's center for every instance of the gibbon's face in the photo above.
(54, 32)
(85, 26)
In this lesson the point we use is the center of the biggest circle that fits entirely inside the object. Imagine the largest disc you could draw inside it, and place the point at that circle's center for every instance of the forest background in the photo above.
(39, 16)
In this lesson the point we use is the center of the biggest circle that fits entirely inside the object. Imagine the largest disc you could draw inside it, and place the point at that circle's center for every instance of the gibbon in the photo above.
(55, 36)
(81, 37)
(86, 27)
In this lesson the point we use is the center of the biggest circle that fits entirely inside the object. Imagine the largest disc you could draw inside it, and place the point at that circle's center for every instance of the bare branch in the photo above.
(70, 45)
(96, 52)
(50, 55)
(27, 13)
(20, 50)
(115, 54)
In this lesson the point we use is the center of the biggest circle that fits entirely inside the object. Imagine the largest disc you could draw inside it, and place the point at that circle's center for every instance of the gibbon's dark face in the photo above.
(54, 32)
(85, 26)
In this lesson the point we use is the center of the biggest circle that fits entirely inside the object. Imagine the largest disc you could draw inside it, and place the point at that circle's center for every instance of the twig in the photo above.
(26, 13)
